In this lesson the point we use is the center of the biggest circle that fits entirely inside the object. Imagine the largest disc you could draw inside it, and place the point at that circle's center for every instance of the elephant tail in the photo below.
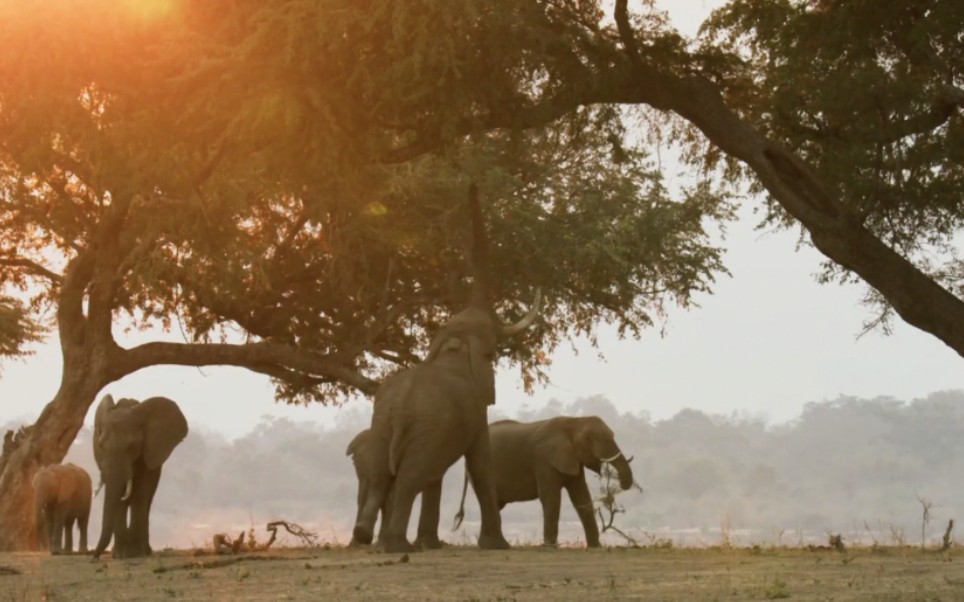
(461, 513)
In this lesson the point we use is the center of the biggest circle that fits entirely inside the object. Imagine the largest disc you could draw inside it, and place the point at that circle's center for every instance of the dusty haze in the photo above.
(849, 466)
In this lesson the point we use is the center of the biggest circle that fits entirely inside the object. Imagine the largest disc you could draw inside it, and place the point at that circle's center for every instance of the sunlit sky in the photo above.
(766, 342)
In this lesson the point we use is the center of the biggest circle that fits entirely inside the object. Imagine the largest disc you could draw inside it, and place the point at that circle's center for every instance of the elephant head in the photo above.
(568, 442)
(476, 330)
(131, 441)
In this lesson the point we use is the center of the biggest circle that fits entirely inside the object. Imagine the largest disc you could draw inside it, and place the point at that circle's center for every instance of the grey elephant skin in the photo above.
(428, 416)
(62, 495)
(370, 467)
(132, 440)
(537, 460)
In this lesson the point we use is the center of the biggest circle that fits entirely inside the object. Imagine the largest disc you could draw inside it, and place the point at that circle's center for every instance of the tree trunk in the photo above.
(47, 443)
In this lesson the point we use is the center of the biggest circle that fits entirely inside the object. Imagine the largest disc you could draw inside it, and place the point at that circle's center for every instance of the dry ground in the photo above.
(457, 573)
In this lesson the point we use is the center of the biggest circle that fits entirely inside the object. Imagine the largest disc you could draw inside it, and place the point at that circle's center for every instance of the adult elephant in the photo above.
(539, 459)
(62, 494)
(132, 440)
(427, 417)
(371, 466)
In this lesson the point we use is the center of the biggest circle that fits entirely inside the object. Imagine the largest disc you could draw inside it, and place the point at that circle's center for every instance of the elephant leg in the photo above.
(404, 489)
(582, 502)
(69, 535)
(428, 518)
(45, 530)
(82, 528)
(479, 464)
(142, 495)
(550, 495)
(57, 533)
(386, 512)
(375, 497)
(364, 490)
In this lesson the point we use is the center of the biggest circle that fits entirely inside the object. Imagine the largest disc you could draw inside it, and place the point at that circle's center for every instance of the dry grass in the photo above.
(467, 574)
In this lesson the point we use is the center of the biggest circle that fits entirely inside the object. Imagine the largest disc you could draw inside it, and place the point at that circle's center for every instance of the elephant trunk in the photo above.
(482, 371)
(625, 472)
(106, 526)
(118, 484)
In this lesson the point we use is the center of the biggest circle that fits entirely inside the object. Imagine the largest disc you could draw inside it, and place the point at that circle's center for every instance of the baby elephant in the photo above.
(538, 459)
(370, 457)
(62, 494)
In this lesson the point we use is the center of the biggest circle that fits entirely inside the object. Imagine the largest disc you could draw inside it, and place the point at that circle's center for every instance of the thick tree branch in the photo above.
(105, 278)
(947, 104)
(71, 322)
(33, 268)
(253, 356)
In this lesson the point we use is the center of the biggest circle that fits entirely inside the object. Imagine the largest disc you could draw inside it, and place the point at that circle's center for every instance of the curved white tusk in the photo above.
(630, 459)
(99, 487)
(527, 320)
(613, 459)
(127, 492)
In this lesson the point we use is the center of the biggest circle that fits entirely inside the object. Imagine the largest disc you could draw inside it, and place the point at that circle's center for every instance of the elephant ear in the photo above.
(360, 440)
(100, 424)
(164, 428)
(555, 444)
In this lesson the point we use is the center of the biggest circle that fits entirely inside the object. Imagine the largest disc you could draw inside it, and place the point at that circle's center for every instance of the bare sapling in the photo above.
(607, 507)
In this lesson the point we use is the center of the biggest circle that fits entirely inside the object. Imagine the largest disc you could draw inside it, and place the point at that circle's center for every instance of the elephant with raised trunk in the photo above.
(132, 440)
(539, 459)
(62, 494)
(428, 416)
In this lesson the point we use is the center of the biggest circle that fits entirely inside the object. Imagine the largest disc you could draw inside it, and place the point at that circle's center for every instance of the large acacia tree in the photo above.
(227, 170)
(293, 168)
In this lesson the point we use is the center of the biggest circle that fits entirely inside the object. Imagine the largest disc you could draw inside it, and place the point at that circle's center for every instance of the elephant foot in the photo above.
(493, 542)
(394, 545)
(593, 544)
(361, 536)
(550, 544)
(429, 543)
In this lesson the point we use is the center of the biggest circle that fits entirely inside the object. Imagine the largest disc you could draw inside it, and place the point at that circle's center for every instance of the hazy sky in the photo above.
(766, 342)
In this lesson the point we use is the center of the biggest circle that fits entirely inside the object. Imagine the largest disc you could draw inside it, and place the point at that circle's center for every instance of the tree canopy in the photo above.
(247, 171)
(870, 95)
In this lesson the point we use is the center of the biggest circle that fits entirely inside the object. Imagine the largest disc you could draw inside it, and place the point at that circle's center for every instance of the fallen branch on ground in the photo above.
(223, 544)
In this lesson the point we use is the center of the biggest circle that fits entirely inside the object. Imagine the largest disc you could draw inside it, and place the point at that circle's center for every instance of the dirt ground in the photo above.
(464, 574)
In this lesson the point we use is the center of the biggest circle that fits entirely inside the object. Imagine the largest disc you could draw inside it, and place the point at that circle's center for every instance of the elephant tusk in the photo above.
(629, 459)
(527, 320)
(127, 492)
(99, 487)
(613, 459)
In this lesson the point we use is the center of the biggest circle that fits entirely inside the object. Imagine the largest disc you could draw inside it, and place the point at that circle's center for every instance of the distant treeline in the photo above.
(852, 466)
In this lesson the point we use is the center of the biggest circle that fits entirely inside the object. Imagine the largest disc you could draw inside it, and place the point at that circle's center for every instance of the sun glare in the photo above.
(150, 10)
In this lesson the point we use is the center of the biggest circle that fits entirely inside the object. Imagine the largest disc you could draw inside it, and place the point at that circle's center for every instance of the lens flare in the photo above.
(150, 10)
